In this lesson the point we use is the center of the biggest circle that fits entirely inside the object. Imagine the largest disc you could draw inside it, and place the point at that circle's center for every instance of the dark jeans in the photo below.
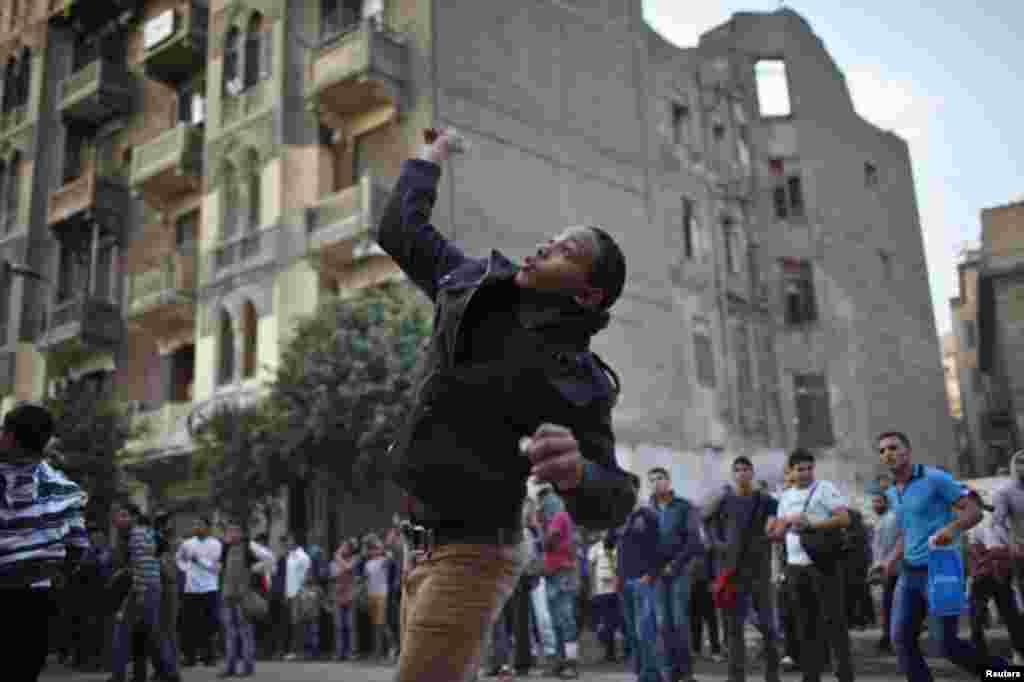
(521, 610)
(819, 608)
(787, 616)
(142, 614)
(888, 592)
(607, 618)
(860, 610)
(910, 608)
(702, 610)
(27, 641)
(672, 609)
(757, 596)
(202, 620)
(984, 588)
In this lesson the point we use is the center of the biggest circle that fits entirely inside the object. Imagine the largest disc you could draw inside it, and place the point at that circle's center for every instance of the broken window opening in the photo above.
(799, 303)
(772, 83)
(689, 229)
(813, 411)
(788, 198)
(680, 123)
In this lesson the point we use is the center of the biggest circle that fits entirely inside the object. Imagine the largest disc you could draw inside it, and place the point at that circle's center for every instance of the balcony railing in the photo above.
(13, 118)
(93, 321)
(170, 164)
(179, 39)
(248, 251)
(347, 216)
(89, 192)
(352, 59)
(98, 92)
(162, 427)
(172, 283)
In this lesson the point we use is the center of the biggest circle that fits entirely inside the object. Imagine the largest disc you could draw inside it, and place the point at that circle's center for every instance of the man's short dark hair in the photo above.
(799, 456)
(608, 271)
(31, 424)
(895, 434)
(659, 470)
(742, 459)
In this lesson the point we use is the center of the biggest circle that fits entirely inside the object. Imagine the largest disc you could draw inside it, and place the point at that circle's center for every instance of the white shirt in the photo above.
(264, 558)
(826, 500)
(376, 575)
(200, 560)
(296, 567)
(603, 563)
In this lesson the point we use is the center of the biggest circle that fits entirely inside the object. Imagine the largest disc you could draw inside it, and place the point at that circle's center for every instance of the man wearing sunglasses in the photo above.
(924, 498)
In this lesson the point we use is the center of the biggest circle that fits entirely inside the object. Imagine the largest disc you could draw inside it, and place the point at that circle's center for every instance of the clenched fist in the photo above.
(555, 455)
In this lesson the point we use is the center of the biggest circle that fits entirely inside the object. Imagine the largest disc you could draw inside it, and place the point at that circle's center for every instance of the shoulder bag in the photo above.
(823, 545)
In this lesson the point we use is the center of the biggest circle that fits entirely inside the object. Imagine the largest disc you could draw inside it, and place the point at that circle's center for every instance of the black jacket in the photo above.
(458, 454)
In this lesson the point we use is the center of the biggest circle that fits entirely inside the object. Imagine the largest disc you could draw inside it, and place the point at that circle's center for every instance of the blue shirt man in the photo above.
(925, 498)
(639, 562)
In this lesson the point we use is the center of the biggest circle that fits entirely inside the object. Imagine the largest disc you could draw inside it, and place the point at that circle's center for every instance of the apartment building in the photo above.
(988, 319)
(188, 177)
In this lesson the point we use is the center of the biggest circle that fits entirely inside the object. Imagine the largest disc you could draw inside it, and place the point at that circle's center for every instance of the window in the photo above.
(359, 159)
(870, 175)
(798, 281)
(17, 75)
(813, 411)
(105, 286)
(680, 123)
(249, 340)
(226, 370)
(253, 40)
(67, 271)
(772, 87)
(703, 353)
(339, 16)
(186, 229)
(10, 75)
(192, 103)
(733, 246)
(229, 199)
(232, 62)
(718, 131)
(789, 198)
(74, 149)
(969, 332)
(255, 193)
(689, 229)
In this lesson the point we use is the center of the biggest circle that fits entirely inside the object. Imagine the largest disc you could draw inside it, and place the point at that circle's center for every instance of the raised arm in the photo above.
(405, 232)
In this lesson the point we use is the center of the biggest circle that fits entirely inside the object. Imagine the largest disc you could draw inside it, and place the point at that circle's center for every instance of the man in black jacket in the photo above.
(508, 372)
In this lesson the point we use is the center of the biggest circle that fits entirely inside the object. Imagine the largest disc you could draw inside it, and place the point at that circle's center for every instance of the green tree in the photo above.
(92, 428)
(344, 383)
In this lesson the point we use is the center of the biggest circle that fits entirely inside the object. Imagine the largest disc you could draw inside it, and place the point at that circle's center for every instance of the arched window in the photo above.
(254, 197)
(24, 77)
(226, 370)
(229, 196)
(256, 51)
(250, 340)
(232, 66)
(10, 84)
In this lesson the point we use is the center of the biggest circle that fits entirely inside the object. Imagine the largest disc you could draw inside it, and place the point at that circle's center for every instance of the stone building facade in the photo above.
(190, 176)
(988, 318)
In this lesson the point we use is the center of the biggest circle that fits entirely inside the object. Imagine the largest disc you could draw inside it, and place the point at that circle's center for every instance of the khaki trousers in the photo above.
(450, 601)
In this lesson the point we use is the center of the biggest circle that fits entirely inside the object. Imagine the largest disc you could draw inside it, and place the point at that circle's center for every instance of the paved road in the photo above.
(869, 667)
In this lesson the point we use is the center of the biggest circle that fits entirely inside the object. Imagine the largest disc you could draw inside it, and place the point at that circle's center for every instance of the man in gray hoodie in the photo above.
(1009, 514)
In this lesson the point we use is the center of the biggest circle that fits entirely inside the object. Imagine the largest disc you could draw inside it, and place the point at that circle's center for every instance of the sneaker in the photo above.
(569, 671)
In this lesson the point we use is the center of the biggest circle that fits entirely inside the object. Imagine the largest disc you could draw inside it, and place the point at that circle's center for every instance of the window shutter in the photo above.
(251, 61)
(266, 55)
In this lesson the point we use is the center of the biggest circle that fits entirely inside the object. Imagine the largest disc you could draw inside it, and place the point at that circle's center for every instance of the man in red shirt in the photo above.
(561, 581)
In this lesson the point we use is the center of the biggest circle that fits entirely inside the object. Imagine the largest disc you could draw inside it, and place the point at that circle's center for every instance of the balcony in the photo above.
(249, 251)
(13, 119)
(91, 321)
(86, 197)
(97, 93)
(174, 46)
(162, 299)
(89, 15)
(171, 164)
(337, 224)
(163, 428)
(360, 69)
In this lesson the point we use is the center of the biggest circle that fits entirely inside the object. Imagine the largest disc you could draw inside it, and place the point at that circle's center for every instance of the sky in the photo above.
(945, 76)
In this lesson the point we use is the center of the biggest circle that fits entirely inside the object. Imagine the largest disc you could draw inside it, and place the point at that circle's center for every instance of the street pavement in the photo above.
(868, 666)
